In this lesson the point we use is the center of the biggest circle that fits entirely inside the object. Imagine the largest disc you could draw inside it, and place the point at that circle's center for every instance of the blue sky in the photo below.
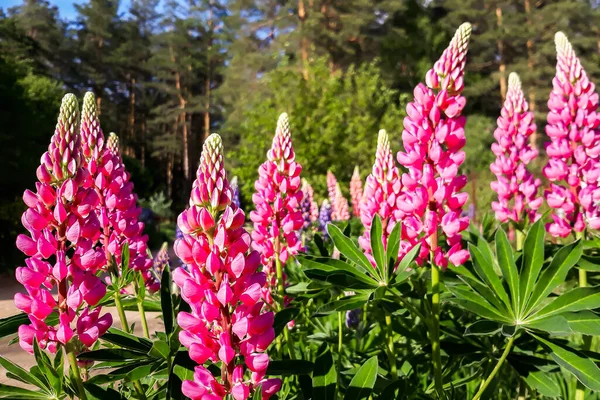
(65, 7)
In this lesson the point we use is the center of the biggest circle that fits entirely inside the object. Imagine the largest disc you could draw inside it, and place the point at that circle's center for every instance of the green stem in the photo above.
(139, 390)
(75, 370)
(281, 289)
(435, 329)
(520, 238)
(142, 311)
(587, 342)
(390, 347)
(121, 311)
(489, 379)
(411, 308)
(340, 340)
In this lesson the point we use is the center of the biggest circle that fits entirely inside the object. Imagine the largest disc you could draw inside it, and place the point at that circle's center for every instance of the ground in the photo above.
(8, 287)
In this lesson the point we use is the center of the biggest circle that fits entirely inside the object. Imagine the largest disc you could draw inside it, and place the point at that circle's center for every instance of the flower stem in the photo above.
(121, 311)
(520, 237)
(281, 289)
(390, 347)
(587, 340)
(75, 370)
(489, 379)
(142, 311)
(340, 340)
(139, 390)
(435, 329)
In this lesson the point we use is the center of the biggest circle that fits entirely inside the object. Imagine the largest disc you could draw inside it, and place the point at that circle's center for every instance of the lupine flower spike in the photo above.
(309, 207)
(60, 217)
(341, 204)
(382, 191)
(433, 138)
(356, 192)
(117, 211)
(324, 217)
(516, 187)
(236, 191)
(161, 260)
(331, 192)
(573, 153)
(223, 286)
(277, 217)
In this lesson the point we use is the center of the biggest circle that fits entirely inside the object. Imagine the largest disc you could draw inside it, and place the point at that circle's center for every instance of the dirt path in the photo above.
(8, 288)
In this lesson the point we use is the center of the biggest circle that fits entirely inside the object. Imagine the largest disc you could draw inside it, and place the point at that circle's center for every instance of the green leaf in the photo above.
(53, 376)
(377, 246)
(485, 269)
(112, 355)
(589, 263)
(556, 324)
(20, 373)
(556, 273)
(97, 392)
(533, 260)
(483, 328)
(160, 349)
(543, 383)
(127, 340)
(183, 373)
(363, 382)
(283, 317)
(125, 258)
(582, 367)
(393, 246)
(324, 374)
(506, 261)
(348, 248)
(585, 322)
(290, 367)
(16, 393)
(408, 259)
(10, 325)
(344, 304)
(166, 304)
(336, 272)
(475, 303)
(578, 299)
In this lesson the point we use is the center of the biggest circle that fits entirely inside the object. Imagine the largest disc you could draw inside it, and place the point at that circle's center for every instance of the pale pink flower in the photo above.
(356, 192)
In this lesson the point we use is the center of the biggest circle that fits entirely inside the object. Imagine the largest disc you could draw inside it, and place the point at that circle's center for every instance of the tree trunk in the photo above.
(183, 118)
(502, 66)
(143, 144)
(130, 149)
(303, 40)
(98, 102)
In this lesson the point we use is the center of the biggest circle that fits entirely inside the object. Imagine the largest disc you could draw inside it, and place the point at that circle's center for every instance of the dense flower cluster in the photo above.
(574, 150)
(356, 192)
(516, 187)
(341, 205)
(235, 197)
(161, 260)
(117, 211)
(62, 248)
(324, 217)
(433, 138)
(382, 193)
(309, 207)
(277, 217)
(223, 286)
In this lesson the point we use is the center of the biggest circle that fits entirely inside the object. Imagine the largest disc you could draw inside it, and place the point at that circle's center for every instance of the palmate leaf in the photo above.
(532, 261)
(477, 304)
(584, 369)
(337, 272)
(166, 303)
(16, 393)
(21, 374)
(506, 261)
(578, 299)
(585, 322)
(344, 304)
(348, 248)
(324, 375)
(393, 246)
(377, 246)
(485, 269)
(363, 382)
(544, 383)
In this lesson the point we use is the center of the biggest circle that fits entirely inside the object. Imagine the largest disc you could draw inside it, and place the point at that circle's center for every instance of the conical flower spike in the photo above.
(92, 138)
(63, 157)
(433, 139)
(516, 187)
(382, 190)
(310, 209)
(277, 217)
(228, 324)
(324, 217)
(113, 143)
(448, 72)
(341, 204)
(574, 151)
(356, 192)
(331, 192)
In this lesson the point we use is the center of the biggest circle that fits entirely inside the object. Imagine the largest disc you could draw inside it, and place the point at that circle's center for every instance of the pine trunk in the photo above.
(303, 40)
(183, 118)
(502, 66)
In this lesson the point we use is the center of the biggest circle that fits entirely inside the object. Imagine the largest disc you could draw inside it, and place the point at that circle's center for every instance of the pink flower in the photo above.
(356, 192)
(339, 204)
(222, 284)
(574, 151)
(62, 244)
(516, 187)
(277, 217)
(383, 190)
(433, 139)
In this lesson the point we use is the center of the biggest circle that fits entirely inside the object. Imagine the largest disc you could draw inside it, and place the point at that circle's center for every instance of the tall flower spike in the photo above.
(341, 204)
(235, 189)
(433, 139)
(277, 217)
(324, 217)
(356, 192)
(221, 282)
(573, 166)
(117, 210)
(62, 248)
(516, 187)
(310, 209)
(331, 192)
(382, 191)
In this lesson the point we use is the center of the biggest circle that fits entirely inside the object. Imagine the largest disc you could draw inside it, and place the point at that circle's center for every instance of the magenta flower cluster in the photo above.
(516, 187)
(277, 216)
(228, 323)
(339, 204)
(574, 151)
(356, 192)
(433, 139)
(62, 248)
